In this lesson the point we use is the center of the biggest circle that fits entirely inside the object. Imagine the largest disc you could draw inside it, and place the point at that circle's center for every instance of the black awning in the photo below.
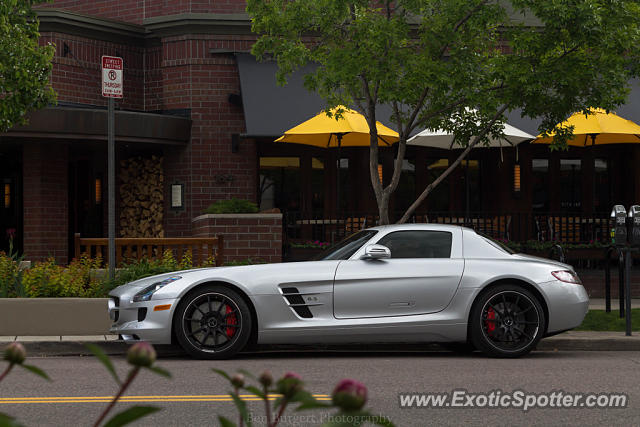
(91, 124)
(269, 109)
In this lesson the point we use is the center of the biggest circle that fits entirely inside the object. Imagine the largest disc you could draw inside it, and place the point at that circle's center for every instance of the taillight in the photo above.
(567, 276)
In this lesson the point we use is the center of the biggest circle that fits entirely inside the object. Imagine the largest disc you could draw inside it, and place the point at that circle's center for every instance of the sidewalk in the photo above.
(599, 303)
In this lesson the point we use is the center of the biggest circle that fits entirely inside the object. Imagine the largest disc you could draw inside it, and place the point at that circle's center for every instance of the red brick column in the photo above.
(45, 195)
(255, 236)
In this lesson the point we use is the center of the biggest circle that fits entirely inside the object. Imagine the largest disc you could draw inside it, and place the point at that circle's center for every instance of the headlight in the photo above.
(146, 293)
(567, 276)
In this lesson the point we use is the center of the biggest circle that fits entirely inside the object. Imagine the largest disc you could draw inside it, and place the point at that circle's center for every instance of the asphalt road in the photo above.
(82, 381)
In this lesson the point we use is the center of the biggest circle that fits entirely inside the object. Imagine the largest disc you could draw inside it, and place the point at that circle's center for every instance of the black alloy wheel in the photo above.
(212, 322)
(507, 321)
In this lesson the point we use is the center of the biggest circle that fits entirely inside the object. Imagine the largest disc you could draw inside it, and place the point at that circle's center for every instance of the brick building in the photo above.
(195, 98)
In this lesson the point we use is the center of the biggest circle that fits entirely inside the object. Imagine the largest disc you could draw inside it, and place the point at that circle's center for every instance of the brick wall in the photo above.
(255, 236)
(195, 79)
(77, 77)
(45, 196)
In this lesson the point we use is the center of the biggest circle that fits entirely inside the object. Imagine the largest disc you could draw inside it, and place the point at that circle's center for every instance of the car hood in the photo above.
(543, 260)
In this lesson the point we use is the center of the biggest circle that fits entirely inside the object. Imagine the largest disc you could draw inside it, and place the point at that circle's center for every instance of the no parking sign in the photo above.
(112, 76)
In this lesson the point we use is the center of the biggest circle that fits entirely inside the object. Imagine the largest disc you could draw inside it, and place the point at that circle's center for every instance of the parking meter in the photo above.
(619, 229)
(634, 223)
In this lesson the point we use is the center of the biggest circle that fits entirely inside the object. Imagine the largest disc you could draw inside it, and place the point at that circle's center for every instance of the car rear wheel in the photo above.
(507, 321)
(212, 322)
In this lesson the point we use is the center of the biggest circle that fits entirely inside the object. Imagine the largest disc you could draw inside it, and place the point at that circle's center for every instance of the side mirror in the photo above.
(376, 252)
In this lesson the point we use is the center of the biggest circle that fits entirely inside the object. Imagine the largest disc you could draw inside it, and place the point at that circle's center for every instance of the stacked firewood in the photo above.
(141, 197)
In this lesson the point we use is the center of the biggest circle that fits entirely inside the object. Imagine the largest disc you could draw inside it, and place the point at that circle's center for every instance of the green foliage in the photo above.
(47, 279)
(139, 269)
(472, 61)
(130, 415)
(232, 205)
(291, 393)
(83, 277)
(141, 355)
(11, 274)
(600, 320)
(25, 66)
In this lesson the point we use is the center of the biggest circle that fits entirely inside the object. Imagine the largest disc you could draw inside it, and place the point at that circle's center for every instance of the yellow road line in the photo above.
(138, 399)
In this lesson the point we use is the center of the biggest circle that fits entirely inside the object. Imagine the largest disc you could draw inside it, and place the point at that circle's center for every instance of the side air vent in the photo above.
(296, 302)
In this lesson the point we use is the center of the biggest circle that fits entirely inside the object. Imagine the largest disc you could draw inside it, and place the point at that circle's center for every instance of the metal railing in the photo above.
(573, 228)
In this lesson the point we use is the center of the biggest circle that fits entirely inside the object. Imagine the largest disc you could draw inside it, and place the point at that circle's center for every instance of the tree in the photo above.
(471, 60)
(24, 65)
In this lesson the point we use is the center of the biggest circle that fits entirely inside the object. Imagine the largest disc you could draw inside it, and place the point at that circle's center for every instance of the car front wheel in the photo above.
(507, 321)
(212, 322)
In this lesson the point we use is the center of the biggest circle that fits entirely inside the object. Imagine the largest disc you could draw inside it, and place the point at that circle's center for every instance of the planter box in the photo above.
(54, 316)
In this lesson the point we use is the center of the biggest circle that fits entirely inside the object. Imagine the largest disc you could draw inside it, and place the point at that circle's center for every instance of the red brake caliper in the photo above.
(231, 320)
(490, 321)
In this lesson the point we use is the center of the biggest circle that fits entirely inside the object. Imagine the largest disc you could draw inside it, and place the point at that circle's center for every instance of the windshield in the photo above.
(346, 247)
(496, 244)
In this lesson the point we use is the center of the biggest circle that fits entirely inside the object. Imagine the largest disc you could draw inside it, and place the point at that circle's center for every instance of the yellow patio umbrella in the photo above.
(350, 130)
(597, 128)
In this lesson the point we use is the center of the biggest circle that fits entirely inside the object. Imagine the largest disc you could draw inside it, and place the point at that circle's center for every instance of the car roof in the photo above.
(421, 226)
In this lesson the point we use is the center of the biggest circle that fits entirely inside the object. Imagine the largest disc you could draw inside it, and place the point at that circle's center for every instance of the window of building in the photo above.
(540, 184)
(601, 186)
(280, 180)
(418, 244)
(570, 184)
(317, 184)
(438, 199)
(406, 191)
(345, 184)
(471, 185)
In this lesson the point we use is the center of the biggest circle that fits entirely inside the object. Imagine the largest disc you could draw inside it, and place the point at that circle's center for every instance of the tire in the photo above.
(506, 321)
(212, 322)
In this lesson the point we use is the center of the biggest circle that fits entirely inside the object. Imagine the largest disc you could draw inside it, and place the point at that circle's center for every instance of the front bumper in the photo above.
(141, 321)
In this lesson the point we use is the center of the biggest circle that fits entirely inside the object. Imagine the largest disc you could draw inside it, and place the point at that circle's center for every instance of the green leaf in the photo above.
(222, 373)
(242, 408)
(7, 421)
(160, 371)
(104, 359)
(313, 405)
(225, 422)
(130, 415)
(256, 391)
(37, 371)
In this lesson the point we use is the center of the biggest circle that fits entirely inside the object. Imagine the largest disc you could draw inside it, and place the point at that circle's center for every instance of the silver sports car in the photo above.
(398, 283)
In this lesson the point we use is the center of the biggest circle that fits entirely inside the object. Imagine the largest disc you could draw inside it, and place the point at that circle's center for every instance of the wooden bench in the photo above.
(129, 248)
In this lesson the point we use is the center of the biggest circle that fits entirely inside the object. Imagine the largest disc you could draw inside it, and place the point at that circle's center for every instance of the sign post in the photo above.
(112, 68)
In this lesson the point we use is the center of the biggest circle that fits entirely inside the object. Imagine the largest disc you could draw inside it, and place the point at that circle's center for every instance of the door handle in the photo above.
(403, 304)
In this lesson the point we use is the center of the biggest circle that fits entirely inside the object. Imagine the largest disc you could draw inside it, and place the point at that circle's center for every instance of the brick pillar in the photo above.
(45, 195)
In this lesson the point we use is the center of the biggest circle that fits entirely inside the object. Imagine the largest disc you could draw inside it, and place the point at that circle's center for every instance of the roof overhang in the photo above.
(62, 123)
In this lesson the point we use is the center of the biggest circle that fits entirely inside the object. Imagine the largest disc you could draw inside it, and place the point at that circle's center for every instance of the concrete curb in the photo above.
(568, 341)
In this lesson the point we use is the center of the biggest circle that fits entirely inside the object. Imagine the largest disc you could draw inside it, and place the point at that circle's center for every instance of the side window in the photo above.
(418, 244)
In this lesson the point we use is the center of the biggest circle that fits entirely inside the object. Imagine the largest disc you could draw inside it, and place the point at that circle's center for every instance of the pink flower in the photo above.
(141, 354)
(289, 385)
(350, 395)
(11, 233)
(15, 353)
